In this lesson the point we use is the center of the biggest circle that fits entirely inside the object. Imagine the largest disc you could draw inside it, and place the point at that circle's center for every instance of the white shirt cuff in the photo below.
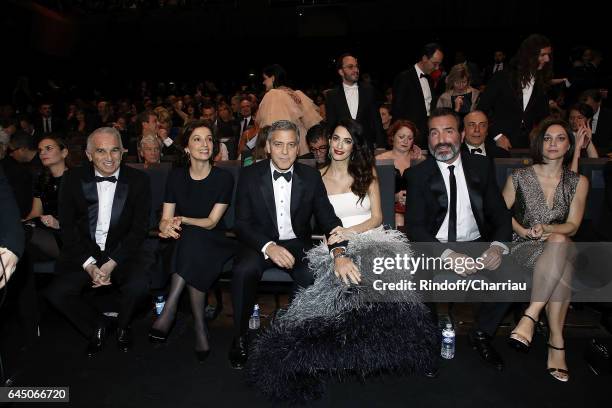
(496, 138)
(167, 141)
(446, 253)
(502, 245)
(89, 261)
(263, 250)
(567, 83)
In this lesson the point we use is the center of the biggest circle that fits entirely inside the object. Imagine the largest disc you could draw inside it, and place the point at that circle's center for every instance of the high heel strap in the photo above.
(530, 318)
(556, 348)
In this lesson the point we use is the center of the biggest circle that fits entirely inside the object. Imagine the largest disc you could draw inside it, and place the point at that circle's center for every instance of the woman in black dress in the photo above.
(44, 243)
(196, 199)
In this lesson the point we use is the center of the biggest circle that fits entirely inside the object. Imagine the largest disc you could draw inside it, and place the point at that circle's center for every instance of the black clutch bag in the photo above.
(597, 356)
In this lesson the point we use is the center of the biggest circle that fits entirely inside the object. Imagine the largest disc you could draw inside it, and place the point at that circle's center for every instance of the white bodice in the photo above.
(348, 210)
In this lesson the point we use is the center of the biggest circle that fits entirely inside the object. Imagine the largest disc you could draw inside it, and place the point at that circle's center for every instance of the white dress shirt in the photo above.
(47, 125)
(425, 87)
(106, 195)
(481, 147)
(595, 120)
(282, 200)
(467, 229)
(527, 91)
(498, 67)
(242, 126)
(351, 93)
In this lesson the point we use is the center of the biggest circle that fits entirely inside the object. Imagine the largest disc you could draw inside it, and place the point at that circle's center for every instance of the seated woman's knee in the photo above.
(558, 238)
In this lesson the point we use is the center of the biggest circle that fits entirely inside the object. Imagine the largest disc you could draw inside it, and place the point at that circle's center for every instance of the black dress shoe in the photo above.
(96, 341)
(431, 373)
(202, 355)
(238, 354)
(481, 342)
(124, 339)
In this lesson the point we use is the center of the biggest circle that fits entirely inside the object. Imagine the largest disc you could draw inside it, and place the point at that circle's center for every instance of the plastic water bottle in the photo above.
(160, 301)
(448, 342)
(254, 320)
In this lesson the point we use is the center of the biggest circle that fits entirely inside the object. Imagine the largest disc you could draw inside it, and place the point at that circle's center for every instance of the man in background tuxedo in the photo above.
(46, 123)
(275, 201)
(104, 213)
(475, 140)
(413, 94)
(498, 65)
(453, 197)
(601, 124)
(356, 101)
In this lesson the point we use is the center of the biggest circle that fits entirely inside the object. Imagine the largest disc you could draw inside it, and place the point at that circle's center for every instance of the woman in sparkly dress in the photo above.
(548, 201)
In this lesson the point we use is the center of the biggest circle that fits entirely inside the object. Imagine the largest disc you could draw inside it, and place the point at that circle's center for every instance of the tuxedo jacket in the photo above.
(503, 104)
(256, 222)
(409, 102)
(78, 216)
(492, 149)
(368, 116)
(427, 201)
(57, 125)
(602, 138)
(11, 232)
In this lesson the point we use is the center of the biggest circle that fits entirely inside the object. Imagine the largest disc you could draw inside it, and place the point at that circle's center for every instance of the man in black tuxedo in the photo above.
(413, 94)
(515, 99)
(601, 124)
(474, 212)
(475, 140)
(11, 233)
(275, 201)
(354, 100)
(104, 213)
(498, 65)
(46, 123)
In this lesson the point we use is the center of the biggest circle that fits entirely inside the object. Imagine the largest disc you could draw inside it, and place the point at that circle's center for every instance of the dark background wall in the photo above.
(226, 40)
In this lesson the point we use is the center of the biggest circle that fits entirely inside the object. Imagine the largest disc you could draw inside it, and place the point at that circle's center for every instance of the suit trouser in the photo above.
(249, 266)
(66, 294)
(487, 315)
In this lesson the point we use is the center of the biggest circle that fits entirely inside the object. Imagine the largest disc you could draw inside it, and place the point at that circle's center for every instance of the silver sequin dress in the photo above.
(530, 208)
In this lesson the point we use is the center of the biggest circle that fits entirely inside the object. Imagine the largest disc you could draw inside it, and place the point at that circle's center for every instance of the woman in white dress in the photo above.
(336, 330)
(350, 179)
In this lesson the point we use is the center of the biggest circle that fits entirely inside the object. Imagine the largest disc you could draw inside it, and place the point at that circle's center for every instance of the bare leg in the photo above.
(165, 320)
(548, 272)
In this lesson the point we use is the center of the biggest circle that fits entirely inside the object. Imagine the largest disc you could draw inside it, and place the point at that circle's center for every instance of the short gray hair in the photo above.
(149, 139)
(283, 125)
(107, 130)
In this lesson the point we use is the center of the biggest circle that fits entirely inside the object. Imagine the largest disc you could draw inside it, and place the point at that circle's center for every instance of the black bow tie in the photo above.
(422, 75)
(99, 179)
(476, 150)
(286, 175)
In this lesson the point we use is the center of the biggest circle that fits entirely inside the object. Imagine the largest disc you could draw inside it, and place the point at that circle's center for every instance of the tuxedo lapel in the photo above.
(297, 188)
(438, 189)
(344, 103)
(267, 192)
(474, 186)
(121, 193)
(90, 192)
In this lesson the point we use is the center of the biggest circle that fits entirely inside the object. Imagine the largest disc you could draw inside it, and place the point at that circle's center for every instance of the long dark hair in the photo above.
(525, 64)
(46, 175)
(361, 161)
(184, 140)
(279, 73)
(537, 142)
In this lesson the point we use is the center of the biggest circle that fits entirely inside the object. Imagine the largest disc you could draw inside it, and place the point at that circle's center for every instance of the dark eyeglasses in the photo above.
(321, 149)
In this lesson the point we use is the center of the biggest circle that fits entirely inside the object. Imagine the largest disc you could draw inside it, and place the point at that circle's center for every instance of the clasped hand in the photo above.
(101, 276)
(169, 228)
(538, 232)
(340, 234)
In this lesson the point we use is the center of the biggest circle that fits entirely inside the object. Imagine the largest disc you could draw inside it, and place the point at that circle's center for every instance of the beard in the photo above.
(439, 156)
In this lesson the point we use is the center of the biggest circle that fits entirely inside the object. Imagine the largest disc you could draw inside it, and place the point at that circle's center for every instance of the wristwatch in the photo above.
(338, 252)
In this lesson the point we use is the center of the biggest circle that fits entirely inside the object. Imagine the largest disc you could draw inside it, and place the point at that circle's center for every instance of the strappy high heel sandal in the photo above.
(559, 374)
(518, 342)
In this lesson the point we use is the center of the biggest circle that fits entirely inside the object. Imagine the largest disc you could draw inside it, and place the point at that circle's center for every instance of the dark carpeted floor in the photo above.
(169, 376)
